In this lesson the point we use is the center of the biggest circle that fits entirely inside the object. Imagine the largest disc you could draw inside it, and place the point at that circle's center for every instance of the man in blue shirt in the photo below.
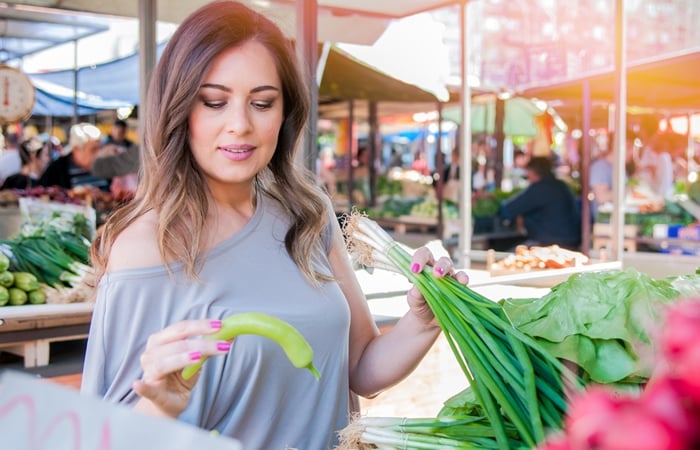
(548, 206)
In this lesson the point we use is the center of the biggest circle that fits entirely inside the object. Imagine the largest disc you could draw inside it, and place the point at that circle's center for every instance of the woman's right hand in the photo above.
(167, 352)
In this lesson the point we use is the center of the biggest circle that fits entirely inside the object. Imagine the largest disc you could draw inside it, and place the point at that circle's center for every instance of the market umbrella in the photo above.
(519, 115)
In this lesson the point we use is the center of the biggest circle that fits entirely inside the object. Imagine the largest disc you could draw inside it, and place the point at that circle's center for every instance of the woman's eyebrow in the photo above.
(221, 87)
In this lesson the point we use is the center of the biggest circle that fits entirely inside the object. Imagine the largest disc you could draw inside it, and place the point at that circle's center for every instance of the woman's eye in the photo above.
(213, 105)
(262, 105)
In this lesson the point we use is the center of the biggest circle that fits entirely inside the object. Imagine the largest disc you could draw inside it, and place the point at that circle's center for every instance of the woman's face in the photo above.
(236, 119)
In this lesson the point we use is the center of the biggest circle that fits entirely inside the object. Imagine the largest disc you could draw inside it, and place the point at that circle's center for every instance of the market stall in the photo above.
(662, 86)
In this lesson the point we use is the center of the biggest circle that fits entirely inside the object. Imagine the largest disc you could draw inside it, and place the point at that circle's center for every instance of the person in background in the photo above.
(118, 161)
(601, 174)
(222, 210)
(34, 160)
(74, 168)
(547, 206)
(519, 171)
(450, 186)
(420, 164)
(10, 160)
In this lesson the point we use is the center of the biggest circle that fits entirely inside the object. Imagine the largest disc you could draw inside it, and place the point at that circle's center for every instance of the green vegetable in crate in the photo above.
(37, 297)
(17, 296)
(26, 281)
(4, 296)
(7, 278)
(4, 262)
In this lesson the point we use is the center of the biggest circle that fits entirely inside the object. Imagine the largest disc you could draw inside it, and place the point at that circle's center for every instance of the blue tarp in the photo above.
(53, 101)
(112, 83)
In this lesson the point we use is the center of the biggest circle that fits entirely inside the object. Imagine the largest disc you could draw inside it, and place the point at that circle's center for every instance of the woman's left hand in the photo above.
(441, 267)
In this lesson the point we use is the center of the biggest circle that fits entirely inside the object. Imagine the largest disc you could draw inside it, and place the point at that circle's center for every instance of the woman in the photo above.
(223, 222)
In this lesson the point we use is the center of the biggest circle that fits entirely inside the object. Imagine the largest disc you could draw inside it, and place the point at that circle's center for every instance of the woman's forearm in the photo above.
(392, 356)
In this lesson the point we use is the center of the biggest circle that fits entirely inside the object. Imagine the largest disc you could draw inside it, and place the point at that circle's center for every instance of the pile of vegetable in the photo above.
(602, 321)
(667, 413)
(515, 352)
(18, 288)
(519, 387)
(55, 251)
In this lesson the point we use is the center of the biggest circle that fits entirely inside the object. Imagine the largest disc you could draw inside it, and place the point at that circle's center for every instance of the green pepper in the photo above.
(292, 342)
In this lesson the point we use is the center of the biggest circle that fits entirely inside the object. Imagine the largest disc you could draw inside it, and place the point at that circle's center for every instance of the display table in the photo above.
(28, 330)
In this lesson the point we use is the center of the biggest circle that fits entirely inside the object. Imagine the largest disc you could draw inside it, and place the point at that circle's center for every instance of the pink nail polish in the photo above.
(440, 270)
(215, 324)
(223, 346)
(195, 356)
(415, 268)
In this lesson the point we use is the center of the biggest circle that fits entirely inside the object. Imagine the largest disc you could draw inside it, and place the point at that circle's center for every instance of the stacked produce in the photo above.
(602, 324)
(18, 288)
(55, 252)
(666, 415)
(539, 257)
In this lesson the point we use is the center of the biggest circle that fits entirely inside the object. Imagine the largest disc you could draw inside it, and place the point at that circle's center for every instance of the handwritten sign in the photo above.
(39, 415)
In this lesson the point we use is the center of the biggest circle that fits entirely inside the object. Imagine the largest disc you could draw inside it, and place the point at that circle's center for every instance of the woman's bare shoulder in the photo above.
(136, 245)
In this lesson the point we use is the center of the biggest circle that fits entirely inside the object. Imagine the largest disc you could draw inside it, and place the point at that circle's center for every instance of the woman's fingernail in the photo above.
(223, 346)
(195, 356)
(440, 270)
(216, 324)
(415, 268)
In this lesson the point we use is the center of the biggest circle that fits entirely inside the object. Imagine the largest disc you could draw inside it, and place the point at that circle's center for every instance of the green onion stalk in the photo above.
(520, 386)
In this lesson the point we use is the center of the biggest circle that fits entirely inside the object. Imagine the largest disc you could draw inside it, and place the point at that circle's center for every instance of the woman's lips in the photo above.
(237, 152)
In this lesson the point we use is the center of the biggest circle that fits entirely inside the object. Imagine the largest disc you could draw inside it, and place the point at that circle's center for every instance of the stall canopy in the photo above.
(668, 84)
(345, 77)
(519, 117)
(24, 31)
(356, 21)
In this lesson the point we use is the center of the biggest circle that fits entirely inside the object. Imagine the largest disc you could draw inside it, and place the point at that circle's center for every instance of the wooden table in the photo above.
(28, 330)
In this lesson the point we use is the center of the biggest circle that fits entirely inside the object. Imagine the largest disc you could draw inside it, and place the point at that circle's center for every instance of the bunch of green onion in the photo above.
(58, 259)
(521, 388)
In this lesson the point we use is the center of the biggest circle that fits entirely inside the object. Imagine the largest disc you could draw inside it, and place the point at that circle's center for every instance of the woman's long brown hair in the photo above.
(171, 183)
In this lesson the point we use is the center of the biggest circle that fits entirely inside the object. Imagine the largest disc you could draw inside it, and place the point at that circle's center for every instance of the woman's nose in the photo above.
(238, 119)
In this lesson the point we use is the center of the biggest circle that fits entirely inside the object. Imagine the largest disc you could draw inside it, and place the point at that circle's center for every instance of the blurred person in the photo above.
(118, 161)
(420, 164)
(10, 160)
(326, 171)
(450, 185)
(34, 159)
(75, 167)
(655, 164)
(601, 174)
(548, 207)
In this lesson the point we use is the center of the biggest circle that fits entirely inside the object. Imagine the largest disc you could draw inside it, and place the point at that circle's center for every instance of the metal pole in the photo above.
(351, 156)
(75, 82)
(307, 52)
(618, 217)
(440, 169)
(147, 51)
(585, 168)
(463, 258)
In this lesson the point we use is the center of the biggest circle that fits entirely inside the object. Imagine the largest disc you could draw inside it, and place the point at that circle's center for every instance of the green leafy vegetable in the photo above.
(602, 321)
